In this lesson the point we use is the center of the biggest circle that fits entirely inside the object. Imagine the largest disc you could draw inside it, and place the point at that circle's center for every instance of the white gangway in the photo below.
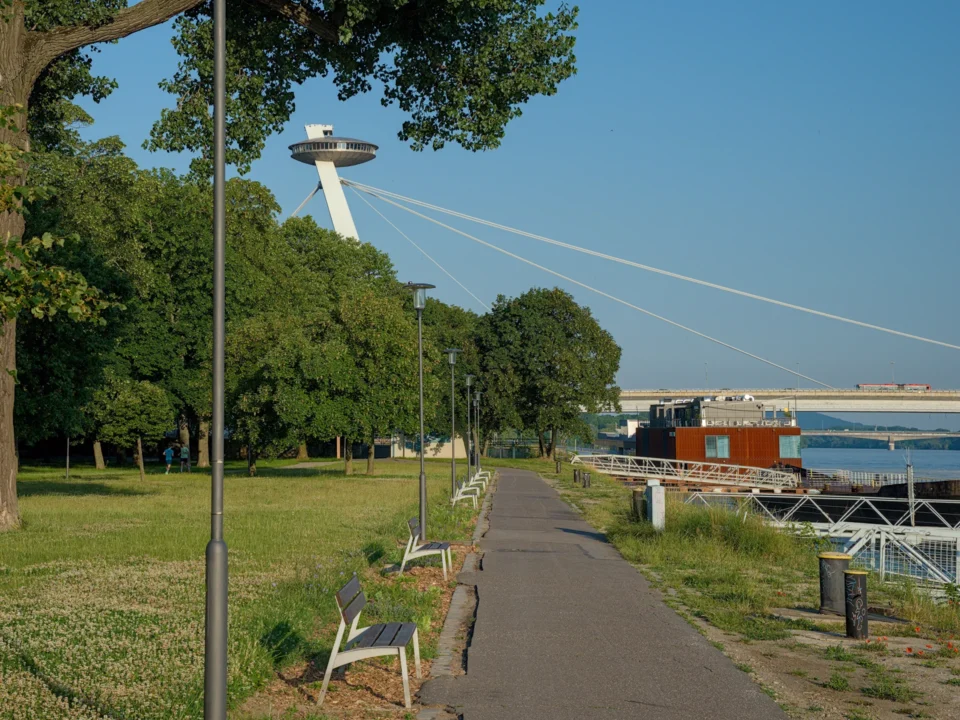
(644, 468)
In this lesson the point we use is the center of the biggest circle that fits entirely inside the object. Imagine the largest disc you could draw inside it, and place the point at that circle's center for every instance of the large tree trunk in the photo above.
(551, 446)
(203, 445)
(347, 457)
(543, 443)
(14, 89)
(98, 456)
(184, 431)
(251, 461)
(302, 453)
(9, 509)
(143, 474)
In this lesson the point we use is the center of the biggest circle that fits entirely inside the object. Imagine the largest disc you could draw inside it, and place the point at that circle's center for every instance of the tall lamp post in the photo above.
(452, 359)
(469, 381)
(477, 404)
(215, 640)
(419, 303)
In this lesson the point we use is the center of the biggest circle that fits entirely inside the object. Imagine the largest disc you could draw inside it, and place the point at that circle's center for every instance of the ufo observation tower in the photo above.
(327, 152)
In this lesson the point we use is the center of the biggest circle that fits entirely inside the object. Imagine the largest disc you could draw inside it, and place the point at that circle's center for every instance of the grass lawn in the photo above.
(102, 591)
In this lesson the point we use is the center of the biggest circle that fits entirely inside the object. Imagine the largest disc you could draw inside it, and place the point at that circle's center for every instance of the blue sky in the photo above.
(806, 152)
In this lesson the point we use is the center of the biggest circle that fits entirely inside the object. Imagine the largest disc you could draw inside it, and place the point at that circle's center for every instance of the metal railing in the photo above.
(628, 466)
(877, 532)
(818, 478)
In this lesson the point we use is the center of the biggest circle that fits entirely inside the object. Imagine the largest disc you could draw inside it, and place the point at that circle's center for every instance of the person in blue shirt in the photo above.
(168, 457)
(184, 458)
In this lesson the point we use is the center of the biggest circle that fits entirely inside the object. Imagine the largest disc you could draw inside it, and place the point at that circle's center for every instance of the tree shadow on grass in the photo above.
(283, 642)
(34, 488)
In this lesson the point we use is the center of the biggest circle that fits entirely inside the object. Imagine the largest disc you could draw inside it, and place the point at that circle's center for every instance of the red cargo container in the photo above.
(752, 446)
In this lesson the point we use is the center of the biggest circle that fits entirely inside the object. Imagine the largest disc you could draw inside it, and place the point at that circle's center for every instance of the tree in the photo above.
(90, 192)
(127, 411)
(381, 343)
(545, 360)
(448, 326)
(460, 70)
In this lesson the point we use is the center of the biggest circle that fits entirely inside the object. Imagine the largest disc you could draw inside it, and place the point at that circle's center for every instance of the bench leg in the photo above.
(326, 676)
(406, 679)
(402, 564)
(416, 651)
(443, 563)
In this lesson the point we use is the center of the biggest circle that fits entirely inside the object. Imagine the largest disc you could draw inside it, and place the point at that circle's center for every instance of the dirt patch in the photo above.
(825, 675)
(365, 689)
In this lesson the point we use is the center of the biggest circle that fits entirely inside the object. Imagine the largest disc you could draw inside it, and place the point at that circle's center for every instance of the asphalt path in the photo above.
(566, 628)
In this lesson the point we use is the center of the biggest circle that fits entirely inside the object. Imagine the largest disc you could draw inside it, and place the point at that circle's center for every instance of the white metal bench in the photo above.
(415, 548)
(481, 478)
(465, 491)
(372, 641)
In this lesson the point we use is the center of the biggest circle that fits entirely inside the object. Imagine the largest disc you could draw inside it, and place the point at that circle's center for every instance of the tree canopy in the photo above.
(544, 361)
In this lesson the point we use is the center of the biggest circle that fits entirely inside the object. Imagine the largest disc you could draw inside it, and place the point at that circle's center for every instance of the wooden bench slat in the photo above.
(367, 638)
(390, 631)
(348, 592)
(404, 635)
(354, 608)
(434, 546)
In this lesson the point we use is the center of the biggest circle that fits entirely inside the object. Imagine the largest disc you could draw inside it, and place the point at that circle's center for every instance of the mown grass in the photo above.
(102, 591)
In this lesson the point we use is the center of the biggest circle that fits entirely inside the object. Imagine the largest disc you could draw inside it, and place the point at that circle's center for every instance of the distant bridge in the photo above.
(928, 401)
(890, 436)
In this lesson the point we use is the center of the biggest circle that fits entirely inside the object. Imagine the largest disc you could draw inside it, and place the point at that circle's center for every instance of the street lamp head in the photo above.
(419, 293)
(477, 397)
(452, 355)
(469, 383)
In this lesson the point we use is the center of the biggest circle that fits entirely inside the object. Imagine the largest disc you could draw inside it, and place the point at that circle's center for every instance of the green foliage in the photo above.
(545, 360)
(460, 70)
(125, 410)
(29, 283)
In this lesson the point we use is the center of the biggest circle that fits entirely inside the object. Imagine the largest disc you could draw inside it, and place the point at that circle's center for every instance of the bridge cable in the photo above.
(652, 269)
(425, 253)
(593, 289)
(306, 200)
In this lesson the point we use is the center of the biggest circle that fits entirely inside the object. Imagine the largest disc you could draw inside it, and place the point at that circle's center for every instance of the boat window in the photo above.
(789, 446)
(718, 446)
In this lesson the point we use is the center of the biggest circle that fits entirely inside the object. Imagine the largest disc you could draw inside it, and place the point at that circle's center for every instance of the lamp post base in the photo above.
(215, 671)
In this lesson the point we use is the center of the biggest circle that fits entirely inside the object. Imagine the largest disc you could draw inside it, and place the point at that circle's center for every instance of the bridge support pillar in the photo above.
(891, 445)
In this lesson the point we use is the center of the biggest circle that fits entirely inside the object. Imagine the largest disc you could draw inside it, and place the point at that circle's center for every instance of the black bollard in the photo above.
(586, 480)
(855, 597)
(832, 567)
(576, 477)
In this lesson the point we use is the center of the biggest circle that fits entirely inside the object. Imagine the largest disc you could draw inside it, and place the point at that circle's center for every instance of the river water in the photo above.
(926, 463)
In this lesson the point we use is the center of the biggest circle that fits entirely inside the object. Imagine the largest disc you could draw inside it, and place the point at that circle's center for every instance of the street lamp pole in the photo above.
(452, 358)
(419, 303)
(477, 396)
(215, 645)
(469, 380)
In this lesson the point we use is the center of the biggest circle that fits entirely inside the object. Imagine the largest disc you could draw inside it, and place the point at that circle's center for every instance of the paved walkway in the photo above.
(568, 629)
